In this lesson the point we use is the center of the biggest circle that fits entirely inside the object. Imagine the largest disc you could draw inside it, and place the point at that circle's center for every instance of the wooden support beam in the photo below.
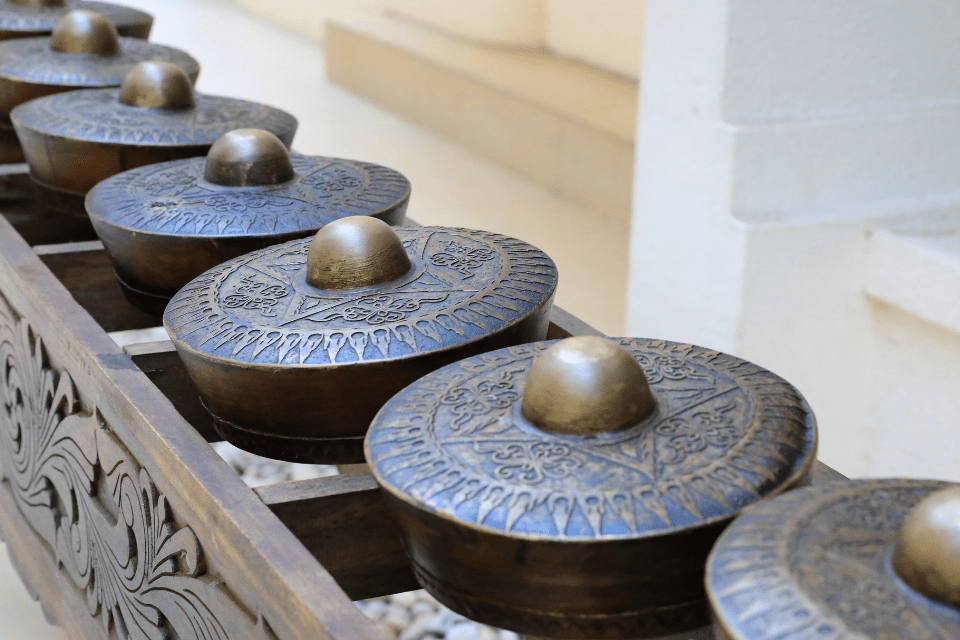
(160, 362)
(343, 521)
(84, 269)
(32, 221)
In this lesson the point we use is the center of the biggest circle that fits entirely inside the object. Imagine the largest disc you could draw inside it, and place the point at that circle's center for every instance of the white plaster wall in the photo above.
(829, 59)
(772, 137)
(842, 108)
(805, 317)
(515, 23)
(602, 33)
(913, 422)
(687, 253)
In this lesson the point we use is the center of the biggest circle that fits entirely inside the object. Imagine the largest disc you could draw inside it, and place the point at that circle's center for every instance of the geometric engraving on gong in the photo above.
(460, 446)
(435, 307)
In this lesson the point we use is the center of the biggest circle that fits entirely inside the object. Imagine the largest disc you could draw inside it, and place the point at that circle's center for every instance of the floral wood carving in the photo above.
(108, 526)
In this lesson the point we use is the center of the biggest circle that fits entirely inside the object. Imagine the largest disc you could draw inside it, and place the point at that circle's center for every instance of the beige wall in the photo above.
(603, 33)
(515, 23)
(307, 17)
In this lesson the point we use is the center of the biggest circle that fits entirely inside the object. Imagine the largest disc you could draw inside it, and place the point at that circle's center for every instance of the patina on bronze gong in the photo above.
(849, 560)
(573, 489)
(32, 18)
(167, 223)
(83, 52)
(76, 139)
(294, 348)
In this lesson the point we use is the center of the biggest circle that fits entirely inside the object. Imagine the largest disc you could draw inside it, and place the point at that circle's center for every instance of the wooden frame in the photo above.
(117, 513)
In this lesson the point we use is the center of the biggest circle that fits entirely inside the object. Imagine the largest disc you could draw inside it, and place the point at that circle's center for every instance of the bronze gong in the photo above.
(294, 348)
(76, 139)
(32, 18)
(573, 489)
(849, 560)
(83, 52)
(167, 223)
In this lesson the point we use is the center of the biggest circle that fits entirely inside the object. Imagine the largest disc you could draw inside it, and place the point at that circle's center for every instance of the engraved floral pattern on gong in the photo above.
(715, 427)
(170, 182)
(258, 294)
(334, 181)
(231, 203)
(478, 402)
(381, 309)
(427, 309)
(532, 463)
(856, 585)
(421, 293)
(463, 258)
(174, 198)
(703, 414)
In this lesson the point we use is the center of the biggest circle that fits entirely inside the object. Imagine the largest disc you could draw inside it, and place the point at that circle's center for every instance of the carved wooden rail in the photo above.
(117, 513)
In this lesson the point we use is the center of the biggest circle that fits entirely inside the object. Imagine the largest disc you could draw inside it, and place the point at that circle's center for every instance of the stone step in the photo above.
(559, 123)
(915, 266)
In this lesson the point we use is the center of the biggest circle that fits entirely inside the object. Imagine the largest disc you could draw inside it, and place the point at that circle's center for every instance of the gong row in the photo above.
(580, 488)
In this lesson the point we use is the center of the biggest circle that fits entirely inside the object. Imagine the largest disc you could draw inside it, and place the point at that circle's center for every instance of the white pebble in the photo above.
(486, 633)
(416, 615)
(406, 599)
(415, 631)
(298, 472)
(463, 631)
(448, 619)
(374, 609)
(396, 617)
(424, 608)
